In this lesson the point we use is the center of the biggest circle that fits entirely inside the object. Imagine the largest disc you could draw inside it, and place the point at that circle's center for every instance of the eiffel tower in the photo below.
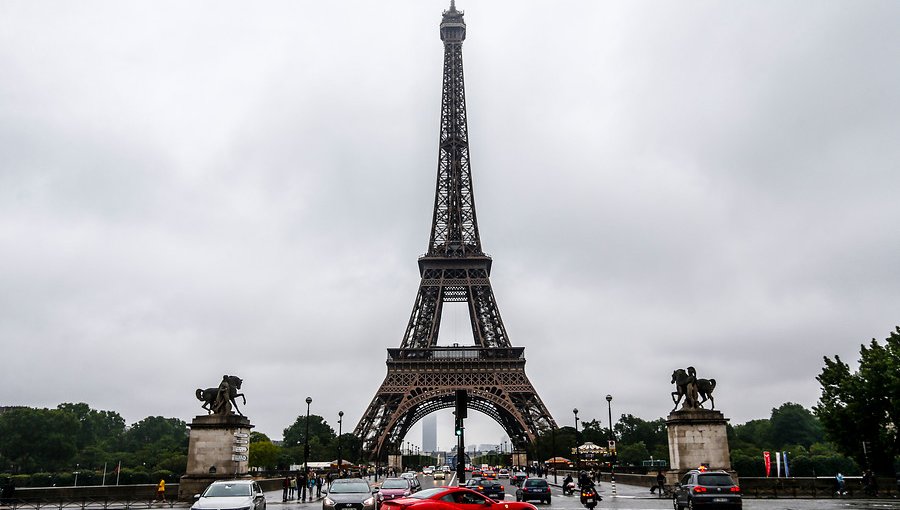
(421, 376)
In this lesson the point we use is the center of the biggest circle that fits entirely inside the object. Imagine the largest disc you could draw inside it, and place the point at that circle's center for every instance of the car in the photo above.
(447, 498)
(706, 489)
(440, 475)
(490, 488)
(428, 470)
(353, 493)
(503, 473)
(517, 478)
(476, 473)
(392, 488)
(231, 494)
(413, 480)
(445, 468)
(489, 473)
(536, 489)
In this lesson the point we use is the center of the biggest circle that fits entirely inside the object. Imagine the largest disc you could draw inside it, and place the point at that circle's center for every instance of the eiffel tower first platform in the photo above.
(421, 376)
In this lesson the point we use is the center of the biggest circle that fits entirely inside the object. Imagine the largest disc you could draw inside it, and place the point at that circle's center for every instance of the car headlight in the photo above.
(369, 502)
(329, 502)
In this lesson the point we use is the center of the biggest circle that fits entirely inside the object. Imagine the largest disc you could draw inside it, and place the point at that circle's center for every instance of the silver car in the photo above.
(349, 493)
(231, 495)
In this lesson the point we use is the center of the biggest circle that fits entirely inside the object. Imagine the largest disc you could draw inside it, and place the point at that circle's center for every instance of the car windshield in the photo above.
(715, 480)
(535, 482)
(395, 484)
(348, 487)
(427, 493)
(224, 490)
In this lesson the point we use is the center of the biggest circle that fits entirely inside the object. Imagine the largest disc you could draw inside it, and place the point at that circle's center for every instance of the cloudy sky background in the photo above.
(195, 188)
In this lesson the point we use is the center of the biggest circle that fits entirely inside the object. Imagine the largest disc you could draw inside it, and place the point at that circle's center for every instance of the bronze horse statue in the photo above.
(687, 386)
(217, 403)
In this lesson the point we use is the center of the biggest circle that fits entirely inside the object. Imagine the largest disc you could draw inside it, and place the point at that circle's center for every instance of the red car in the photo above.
(451, 498)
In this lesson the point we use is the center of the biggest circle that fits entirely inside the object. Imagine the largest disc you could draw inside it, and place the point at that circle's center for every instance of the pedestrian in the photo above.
(160, 491)
(839, 481)
(293, 488)
(660, 482)
(318, 486)
(285, 488)
(301, 484)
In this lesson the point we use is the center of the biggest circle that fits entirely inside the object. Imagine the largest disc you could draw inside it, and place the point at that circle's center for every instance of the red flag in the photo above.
(768, 460)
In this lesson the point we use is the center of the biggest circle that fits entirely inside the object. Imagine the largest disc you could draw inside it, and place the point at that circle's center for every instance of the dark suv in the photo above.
(706, 489)
(490, 488)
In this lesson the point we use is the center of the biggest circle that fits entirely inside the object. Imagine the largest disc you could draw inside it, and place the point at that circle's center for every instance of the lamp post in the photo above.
(577, 445)
(306, 439)
(612, 437)
(340, 424)
(552, 447)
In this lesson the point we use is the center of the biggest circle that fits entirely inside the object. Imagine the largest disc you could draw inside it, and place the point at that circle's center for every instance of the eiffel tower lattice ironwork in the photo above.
(423, 377)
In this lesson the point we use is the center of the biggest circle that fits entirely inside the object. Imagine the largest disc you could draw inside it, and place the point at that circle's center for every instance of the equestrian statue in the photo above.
(221, 400)
(691, 389)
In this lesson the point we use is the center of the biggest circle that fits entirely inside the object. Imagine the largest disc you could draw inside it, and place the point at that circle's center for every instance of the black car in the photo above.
(534, 489)
(490, 488)
(706, 489)
(517, 478)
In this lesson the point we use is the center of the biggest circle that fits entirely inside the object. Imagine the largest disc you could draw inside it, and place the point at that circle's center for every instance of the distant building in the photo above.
(429, 433)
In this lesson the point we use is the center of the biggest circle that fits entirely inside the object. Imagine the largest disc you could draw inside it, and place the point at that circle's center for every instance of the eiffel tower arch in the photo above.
(423, 377)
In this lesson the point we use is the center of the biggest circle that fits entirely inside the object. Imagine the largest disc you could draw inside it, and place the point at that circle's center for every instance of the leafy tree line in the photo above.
(46, 446)
(323, 445)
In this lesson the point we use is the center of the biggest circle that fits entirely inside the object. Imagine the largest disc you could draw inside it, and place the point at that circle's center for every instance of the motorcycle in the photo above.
(569, 489)
(589, 497)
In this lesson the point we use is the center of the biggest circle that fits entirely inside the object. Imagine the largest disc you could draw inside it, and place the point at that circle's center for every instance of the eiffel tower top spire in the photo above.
(454, 231)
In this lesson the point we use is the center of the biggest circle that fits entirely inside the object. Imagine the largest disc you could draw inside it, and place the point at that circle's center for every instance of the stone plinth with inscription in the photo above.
(219, 449)
(696, 437)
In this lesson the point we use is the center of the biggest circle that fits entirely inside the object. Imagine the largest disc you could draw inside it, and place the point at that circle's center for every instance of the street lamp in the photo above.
(340, 424)
(612, 437)
(306, 439)
(577, 445)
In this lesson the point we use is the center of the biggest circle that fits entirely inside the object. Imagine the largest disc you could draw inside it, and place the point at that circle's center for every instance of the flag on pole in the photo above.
(787, 473)
(777, 464)
(766, 457)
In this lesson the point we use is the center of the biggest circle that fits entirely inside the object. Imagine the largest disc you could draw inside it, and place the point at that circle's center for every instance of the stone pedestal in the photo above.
(696, 437)
(218, 449)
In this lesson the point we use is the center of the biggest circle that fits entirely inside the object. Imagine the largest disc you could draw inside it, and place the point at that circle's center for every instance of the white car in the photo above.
(231, 494)
(440, 475)
(428, 470)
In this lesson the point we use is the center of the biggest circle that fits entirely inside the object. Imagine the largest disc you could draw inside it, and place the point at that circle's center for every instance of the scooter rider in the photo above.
(584, 481)
(567, 482)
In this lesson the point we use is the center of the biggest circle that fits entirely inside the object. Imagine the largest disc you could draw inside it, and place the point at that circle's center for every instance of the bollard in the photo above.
(612, 483)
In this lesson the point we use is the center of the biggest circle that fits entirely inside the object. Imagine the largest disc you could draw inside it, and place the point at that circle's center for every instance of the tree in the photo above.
(794, 424)
(864, 406)
(264, 454)
(318, 430)
(39, 439)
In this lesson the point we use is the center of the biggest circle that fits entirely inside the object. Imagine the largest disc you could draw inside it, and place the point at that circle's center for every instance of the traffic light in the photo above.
(459, 430)
(461, 404)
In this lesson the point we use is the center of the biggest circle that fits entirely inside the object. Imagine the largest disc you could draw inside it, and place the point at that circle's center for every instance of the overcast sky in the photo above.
(189, 189)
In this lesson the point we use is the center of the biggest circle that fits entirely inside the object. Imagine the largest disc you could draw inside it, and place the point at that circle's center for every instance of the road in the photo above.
(631, 498)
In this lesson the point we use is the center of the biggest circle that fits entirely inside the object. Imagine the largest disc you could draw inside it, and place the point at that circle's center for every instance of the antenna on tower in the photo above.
(452, 5)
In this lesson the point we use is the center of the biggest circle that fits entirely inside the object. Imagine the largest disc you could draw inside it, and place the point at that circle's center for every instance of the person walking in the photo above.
(301, 485)
(318, 485)
(839, 481)
(660, 483)
(285, 488)
(160, 491)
